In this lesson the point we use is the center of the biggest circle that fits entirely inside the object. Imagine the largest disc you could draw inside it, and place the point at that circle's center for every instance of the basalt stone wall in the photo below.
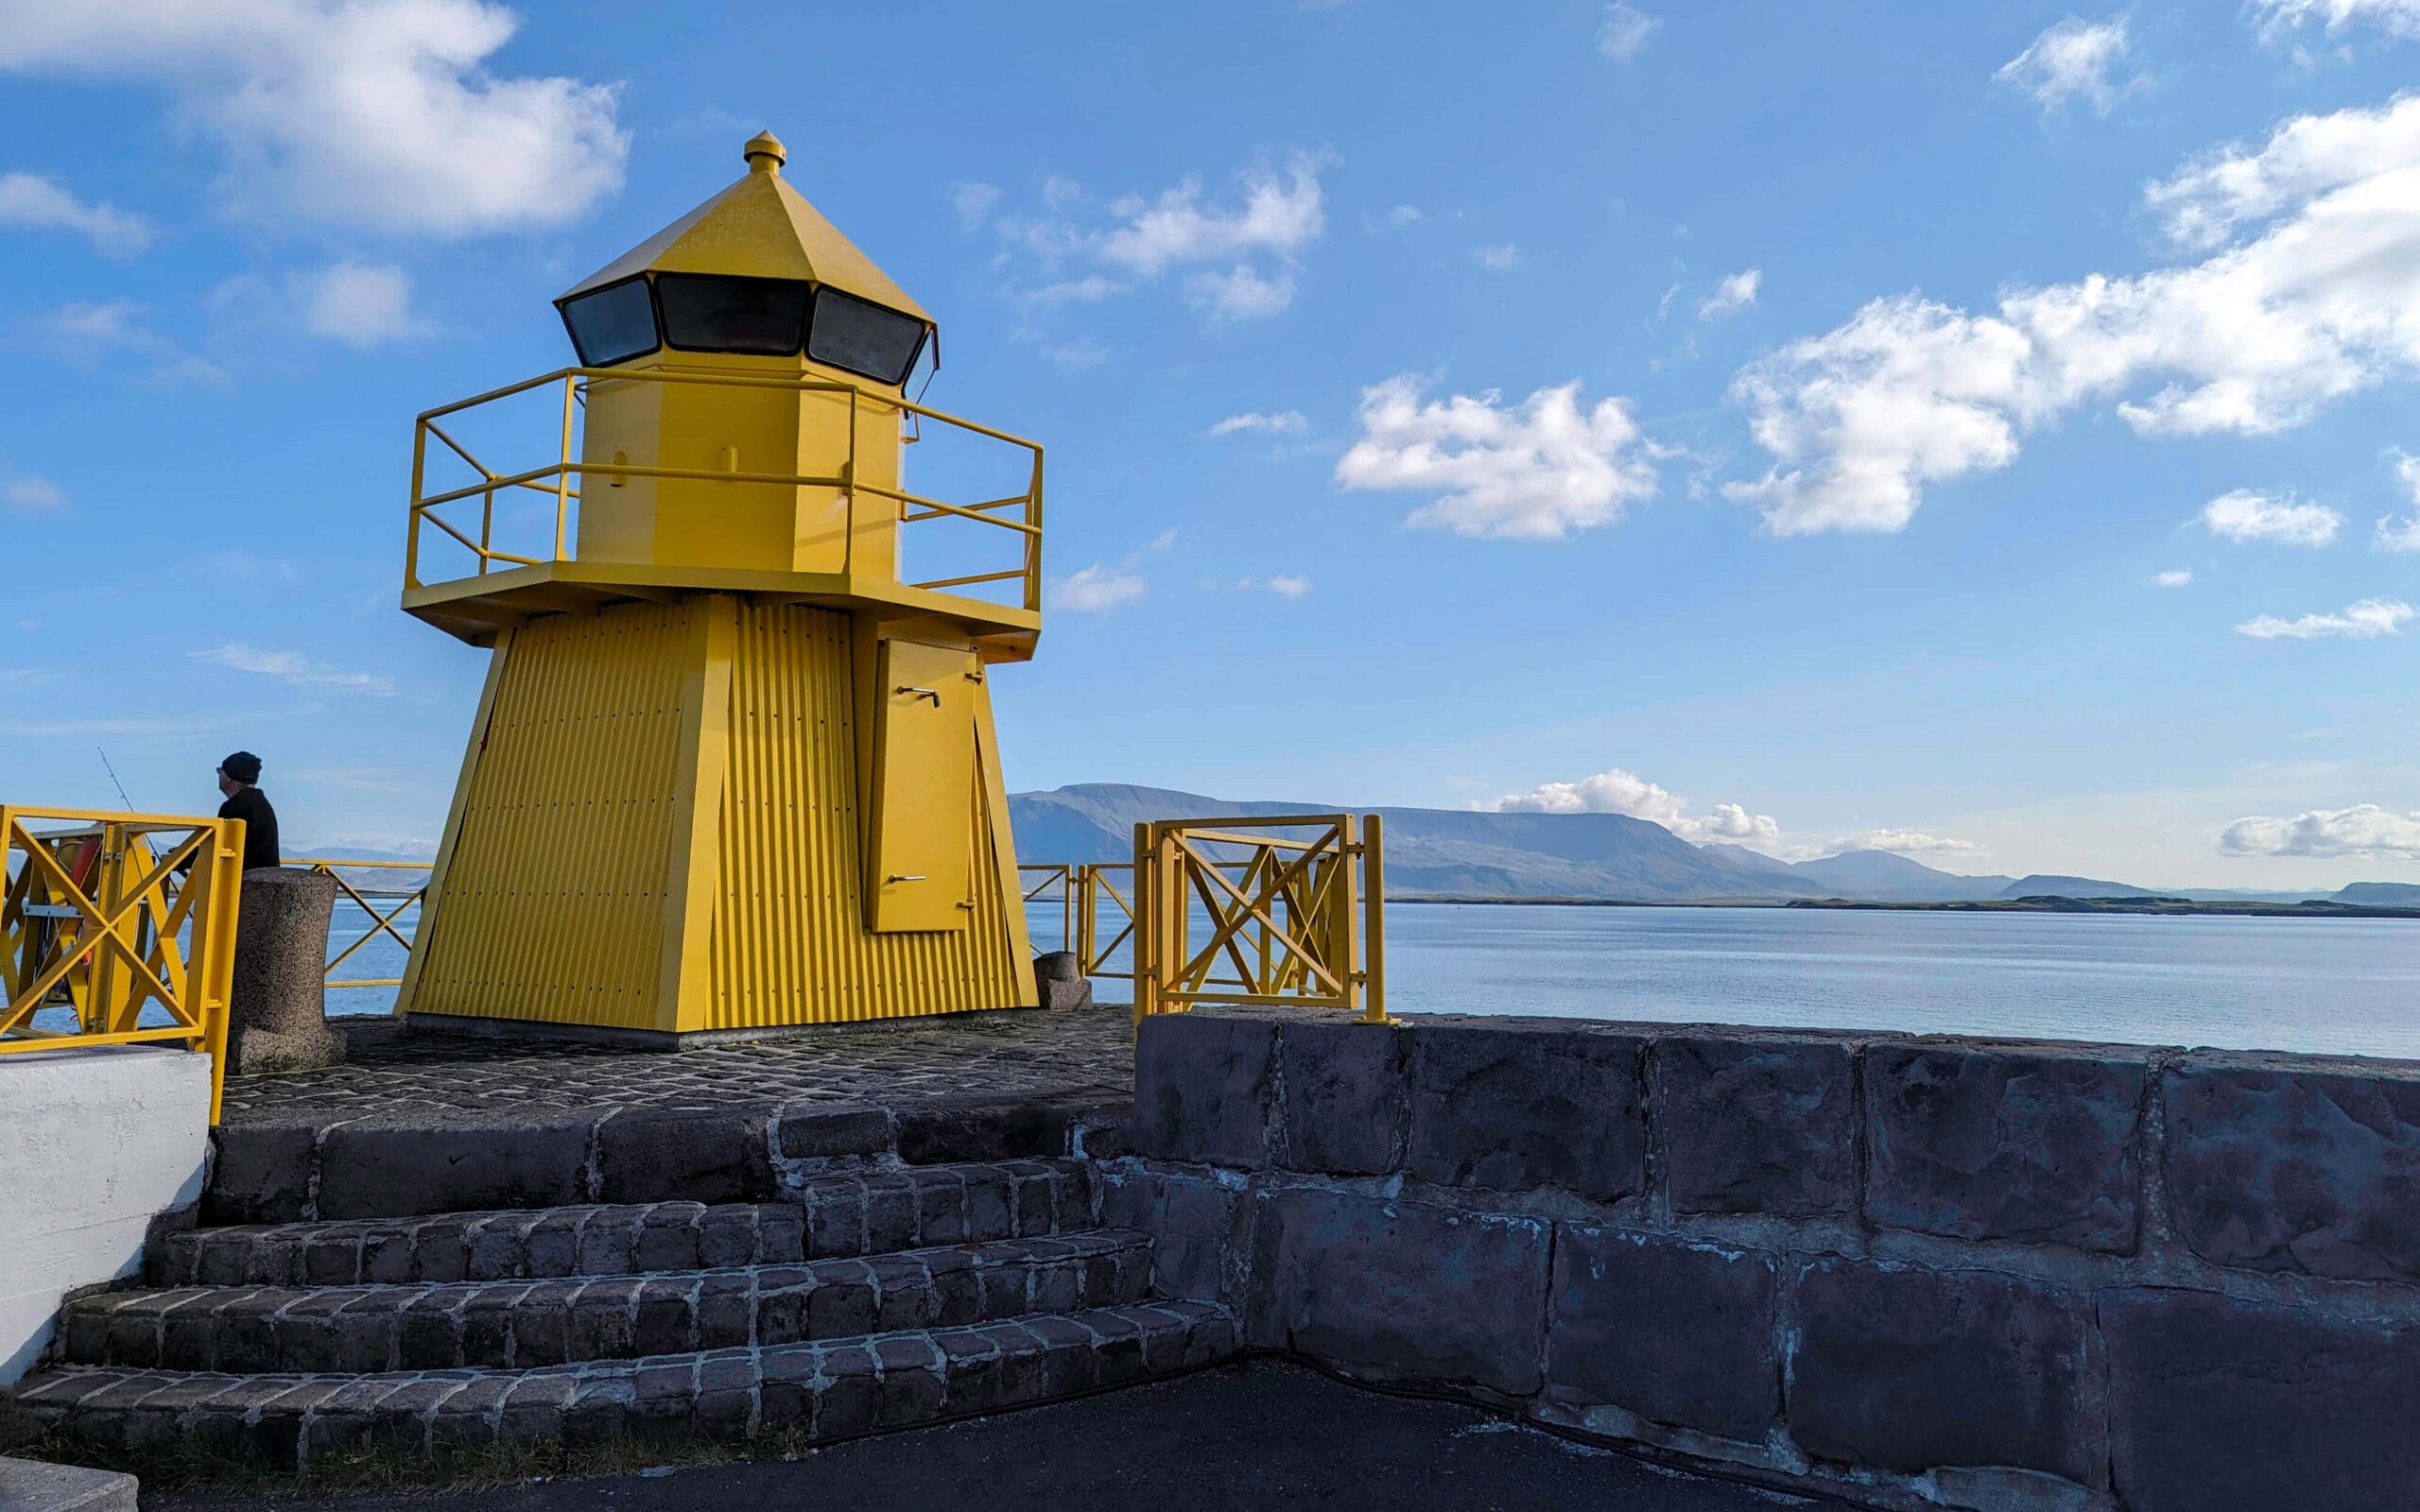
(1917, 1272)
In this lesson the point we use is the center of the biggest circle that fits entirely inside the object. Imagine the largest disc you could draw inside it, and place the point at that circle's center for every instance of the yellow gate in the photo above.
(95, 920)
(1288, 909)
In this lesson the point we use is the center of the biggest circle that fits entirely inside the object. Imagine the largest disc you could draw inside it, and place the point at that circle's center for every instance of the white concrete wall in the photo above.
(92, 1143)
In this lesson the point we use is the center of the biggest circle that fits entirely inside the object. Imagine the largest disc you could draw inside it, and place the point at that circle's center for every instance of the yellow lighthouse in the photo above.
(732, 769)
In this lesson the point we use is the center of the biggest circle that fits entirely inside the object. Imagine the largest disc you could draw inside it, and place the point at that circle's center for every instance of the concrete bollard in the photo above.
(279, 1002)
(1060, 977)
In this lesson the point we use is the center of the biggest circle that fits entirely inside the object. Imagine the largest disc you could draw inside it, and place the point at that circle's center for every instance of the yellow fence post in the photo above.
(1374, 929)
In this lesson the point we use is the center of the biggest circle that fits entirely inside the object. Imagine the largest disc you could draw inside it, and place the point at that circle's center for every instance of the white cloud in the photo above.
(370, 113)
(1535, 471)
(1097, 587)
(1616, 791)
(26, 494)
(1905, 842)
(1090, 289)
(1241, 293)
(1503, 257)
(88, 331)
(1736, 292)
(2402, 535)
(2245, 515)
(973, 204)
(1401, 216)
(2363, 829)
(2279, 19)
(1730, 823)
(23, 679)
(292, 667)
(2324, 301)
(35, 203)
(1252, 423)
(361, 306)
(2365, 620)
(2073, 60)
(2173, 578)
(2217, 193)
(1281, 214)
(1076, 356)
(1623, 34)
(1284, 585)
(1252, 249)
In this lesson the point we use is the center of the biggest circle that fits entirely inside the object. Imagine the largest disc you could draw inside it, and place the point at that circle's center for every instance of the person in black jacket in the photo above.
(237, 778)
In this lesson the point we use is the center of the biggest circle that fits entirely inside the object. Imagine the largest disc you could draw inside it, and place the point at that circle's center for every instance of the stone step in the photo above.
(814, 1391)
(520, 1323)
(871, 1214)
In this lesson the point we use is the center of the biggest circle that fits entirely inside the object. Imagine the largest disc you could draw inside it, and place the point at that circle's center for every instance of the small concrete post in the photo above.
(1060, 976)
(279, 1004)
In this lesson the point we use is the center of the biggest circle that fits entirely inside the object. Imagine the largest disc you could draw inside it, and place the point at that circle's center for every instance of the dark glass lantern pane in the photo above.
(705, 313)
(860, 338)
(611, 325)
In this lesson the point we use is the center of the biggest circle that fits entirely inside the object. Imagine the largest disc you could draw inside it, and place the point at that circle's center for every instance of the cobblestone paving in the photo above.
(1031, 1053)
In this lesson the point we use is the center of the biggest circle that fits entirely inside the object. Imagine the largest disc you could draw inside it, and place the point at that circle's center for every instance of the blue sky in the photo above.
(1778, 422)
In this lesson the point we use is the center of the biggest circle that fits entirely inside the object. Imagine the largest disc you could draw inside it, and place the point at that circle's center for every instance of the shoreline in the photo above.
(2045, 904)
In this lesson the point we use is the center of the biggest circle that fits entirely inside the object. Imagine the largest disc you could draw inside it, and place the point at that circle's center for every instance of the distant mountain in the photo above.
(1886, 877)
(2043, 886)
(1608, 857)
(1462, 853)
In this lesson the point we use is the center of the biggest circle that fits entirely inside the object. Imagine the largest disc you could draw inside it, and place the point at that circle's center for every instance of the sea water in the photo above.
(2344, 986)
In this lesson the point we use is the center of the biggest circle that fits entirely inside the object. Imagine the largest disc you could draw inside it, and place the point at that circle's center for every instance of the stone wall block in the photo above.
(1899, 1368)
(1400, 1291)
(1983, 1141)
(685, 1155)
(401, 1165)
(261, 1172)
(1756, 1124)
(2219, 1406)
(1345, 1097)
(1675, 1332)
(811, 1130)
(1516, 1105)
(2316, 1171)
(1197, 1228)
(1201, 1088)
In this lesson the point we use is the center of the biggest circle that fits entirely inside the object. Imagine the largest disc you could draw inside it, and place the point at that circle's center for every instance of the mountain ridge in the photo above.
(1593, 857)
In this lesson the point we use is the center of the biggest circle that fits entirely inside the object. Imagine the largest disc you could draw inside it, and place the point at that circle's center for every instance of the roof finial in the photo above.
(765, 153)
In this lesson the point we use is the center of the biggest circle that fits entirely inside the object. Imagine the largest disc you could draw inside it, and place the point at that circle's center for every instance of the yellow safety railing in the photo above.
(98, 918)
(1294, 907)
(1019, 514)
(335, 867)
(1086, 893)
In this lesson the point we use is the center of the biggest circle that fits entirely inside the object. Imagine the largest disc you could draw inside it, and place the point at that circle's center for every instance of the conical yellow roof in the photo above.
(759, 227)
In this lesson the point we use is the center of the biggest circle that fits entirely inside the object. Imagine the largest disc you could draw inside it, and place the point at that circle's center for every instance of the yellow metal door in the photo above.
(919, 878)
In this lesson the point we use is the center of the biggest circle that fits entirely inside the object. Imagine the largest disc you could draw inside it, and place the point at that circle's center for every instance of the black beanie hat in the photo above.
(243, 766)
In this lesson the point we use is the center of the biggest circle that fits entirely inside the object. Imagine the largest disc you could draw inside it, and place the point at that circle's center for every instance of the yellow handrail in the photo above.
(380, 923)
(99, 920)
(1019, 514)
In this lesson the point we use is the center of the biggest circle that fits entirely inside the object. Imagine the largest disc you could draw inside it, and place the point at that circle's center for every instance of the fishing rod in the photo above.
(113, 782)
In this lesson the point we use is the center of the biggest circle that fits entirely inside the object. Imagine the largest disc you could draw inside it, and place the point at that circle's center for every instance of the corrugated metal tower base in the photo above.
(657, 839)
